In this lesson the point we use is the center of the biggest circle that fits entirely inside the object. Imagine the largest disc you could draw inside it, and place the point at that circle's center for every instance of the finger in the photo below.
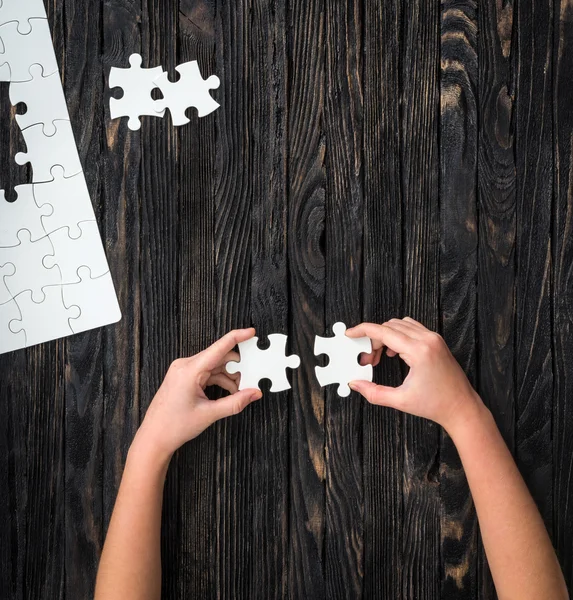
(383, 395)
(223, 381)
(214, 355)
(373, 358)
(415, 323)
(233, 405)
(391, 353)
(407, 328)
(383, 335)
(229, 357)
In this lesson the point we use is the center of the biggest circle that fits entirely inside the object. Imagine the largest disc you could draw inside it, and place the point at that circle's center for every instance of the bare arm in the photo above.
(130, 565)
(520, 555)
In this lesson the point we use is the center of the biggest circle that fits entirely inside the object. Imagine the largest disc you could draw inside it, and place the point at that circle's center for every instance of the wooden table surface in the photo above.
(369, 160)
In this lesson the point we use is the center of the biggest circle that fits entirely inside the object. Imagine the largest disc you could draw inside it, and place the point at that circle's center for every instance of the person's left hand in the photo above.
(180, 410)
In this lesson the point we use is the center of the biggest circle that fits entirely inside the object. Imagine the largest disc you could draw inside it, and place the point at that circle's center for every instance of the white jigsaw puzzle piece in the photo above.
(9, 341)
(43, 321)
(137, 85)
(190, 90)
(97, 301)
(22, 11)
(44, 152)
(30, 274)
(23, 51)
(4, 69)
(5, 271)
(257, 364)
(44, 100)
(70, 199)
(23, 213)
(343, 353)
(72, 253)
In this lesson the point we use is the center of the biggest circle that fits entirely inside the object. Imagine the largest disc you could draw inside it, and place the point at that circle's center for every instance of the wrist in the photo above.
(471, 412)
(149, 447)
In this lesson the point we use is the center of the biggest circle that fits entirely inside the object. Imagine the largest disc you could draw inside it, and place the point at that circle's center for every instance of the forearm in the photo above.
(519, 552)
(130, 566)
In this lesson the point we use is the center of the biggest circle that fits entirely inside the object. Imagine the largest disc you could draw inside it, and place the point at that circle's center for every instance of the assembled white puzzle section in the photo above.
(257, 364)
(138, 84)
(54, 276)
(343, 353)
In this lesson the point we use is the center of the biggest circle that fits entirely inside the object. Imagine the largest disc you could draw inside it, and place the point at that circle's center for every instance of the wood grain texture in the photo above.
(458, 269)
(562, 299)
(497, 228)
(369, 160)
(306, 255)
(420, 286)
(343, 114)
(382, 293)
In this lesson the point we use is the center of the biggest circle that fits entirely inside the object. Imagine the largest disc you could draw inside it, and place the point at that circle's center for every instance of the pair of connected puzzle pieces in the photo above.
(343, 366)
(54, 276)
(137, 83)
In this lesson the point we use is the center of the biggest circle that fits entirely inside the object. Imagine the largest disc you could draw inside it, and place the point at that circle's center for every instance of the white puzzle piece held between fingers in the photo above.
(22, 11)
(137, 85)
(23, 51)
(190, 91)
(257, 364)
(51, 225)
(53, 103)
(343, 353)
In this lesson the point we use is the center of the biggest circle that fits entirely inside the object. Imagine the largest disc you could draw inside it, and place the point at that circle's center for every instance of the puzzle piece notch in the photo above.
(343, 353)
(20, 52)
(21, 12)
(96, 298)
(45, 152)
(44, 99)
(21, 214)
(70, 200)
(190, 91)
(72, 253)
(43, 321)
(256, 364)
(30, 274)
(137, 84)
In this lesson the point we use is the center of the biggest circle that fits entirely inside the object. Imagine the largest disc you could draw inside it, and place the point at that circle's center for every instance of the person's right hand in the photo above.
(435, 388)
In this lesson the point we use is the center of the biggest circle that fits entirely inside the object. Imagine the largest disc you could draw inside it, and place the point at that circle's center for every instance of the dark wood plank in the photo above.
(196, 469)
(267, 114)
(159, 255)
(343, 118)
(562, 292)
(534, 197)
(306, 230)
(497, 228)
(234, 565)
(420, 222)
(458, 268)
(382, 289)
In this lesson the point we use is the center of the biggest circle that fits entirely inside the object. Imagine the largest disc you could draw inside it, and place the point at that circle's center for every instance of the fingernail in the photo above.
(352, 386)
(257, 396)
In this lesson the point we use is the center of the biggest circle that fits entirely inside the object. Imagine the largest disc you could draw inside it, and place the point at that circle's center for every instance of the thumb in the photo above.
(234, 404)
(382, 395)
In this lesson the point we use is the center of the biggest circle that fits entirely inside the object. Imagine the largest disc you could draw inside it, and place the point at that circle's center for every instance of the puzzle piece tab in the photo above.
(137, 85)
(22, 11)
(44, 100)
(46, 151)
(97, 301)
(343, 353)
(23, 213)
(190, 90)
(23, 51)
(69, 198)
(72, 253)
(9, 312)
(47, 320)
(30, 272)
(257, 364)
